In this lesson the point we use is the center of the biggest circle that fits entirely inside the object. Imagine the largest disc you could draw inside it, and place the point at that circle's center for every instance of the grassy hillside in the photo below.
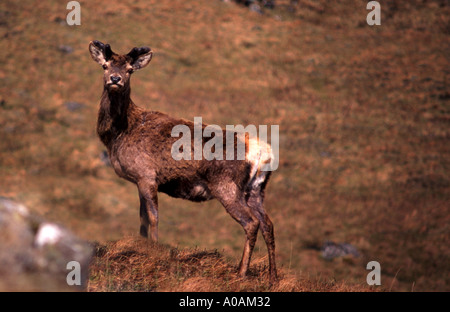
(134, 264)
(364, 129)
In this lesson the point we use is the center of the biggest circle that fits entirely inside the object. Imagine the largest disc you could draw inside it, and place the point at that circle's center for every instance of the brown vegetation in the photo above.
(135, 264)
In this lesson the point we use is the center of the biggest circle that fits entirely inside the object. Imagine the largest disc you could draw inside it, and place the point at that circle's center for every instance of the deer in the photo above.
(138, 142)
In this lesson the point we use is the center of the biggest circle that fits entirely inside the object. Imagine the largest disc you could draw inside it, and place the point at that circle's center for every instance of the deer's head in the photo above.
(118, 68)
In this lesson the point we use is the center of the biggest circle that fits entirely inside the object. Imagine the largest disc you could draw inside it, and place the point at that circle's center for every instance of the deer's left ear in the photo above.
(140, 57)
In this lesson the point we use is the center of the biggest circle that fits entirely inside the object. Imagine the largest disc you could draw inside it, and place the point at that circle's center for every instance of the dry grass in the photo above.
(134, 264)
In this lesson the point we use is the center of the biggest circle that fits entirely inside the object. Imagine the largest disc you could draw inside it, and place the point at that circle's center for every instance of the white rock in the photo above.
(48, 234)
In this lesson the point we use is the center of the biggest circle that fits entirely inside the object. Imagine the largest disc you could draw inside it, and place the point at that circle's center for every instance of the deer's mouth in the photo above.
(114, 86)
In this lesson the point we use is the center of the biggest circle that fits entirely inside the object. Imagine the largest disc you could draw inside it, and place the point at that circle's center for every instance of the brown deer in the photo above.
(139, 146)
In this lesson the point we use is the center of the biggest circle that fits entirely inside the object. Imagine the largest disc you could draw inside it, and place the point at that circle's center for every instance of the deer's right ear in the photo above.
(97, 50)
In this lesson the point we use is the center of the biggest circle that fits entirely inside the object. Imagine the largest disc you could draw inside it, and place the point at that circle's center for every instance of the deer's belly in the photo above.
(183, 189)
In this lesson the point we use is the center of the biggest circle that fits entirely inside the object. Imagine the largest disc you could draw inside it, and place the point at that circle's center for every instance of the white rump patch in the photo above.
(259, 153)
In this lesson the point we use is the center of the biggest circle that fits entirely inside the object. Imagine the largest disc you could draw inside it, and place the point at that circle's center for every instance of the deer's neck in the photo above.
(117, 114)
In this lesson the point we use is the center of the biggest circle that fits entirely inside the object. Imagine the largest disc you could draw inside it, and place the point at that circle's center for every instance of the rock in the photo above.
(105, 158)
(254, 7)
(65, 49)
(270, 4)
(331, 250)
(73, 106)
(34, 253)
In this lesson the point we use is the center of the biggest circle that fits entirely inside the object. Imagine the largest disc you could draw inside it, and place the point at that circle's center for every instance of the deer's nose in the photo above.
(115, 79)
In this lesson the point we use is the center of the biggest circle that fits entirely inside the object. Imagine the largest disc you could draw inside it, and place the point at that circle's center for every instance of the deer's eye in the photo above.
(130, 71)
(105, 66)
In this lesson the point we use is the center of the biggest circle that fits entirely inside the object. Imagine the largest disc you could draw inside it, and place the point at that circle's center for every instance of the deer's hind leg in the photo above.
(234, 202)
(255, 201)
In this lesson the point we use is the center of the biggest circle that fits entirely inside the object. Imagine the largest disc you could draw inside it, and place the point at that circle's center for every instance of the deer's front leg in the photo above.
(148, 210)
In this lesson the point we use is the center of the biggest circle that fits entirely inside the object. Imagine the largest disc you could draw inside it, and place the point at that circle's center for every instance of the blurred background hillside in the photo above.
(363, 111)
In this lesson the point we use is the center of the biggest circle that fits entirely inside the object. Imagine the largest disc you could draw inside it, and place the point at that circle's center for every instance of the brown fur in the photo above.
(139, 146)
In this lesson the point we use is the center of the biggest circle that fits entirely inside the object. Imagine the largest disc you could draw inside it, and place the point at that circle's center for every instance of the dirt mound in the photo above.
(135, 264)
